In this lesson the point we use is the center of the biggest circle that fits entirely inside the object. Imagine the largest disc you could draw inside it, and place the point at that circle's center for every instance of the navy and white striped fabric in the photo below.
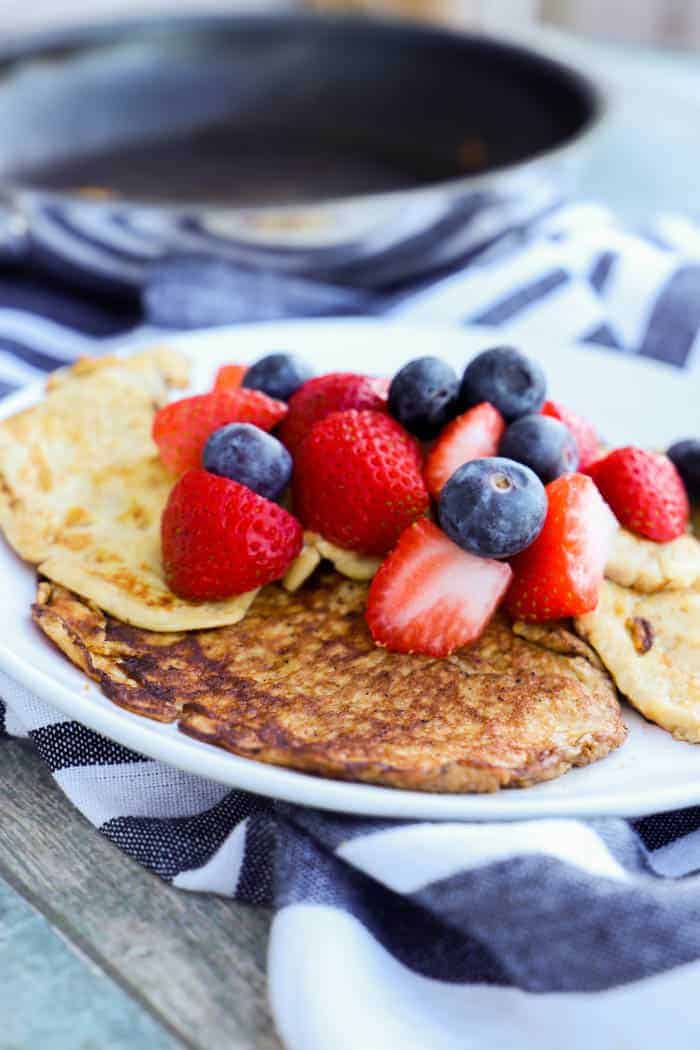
(417, 935)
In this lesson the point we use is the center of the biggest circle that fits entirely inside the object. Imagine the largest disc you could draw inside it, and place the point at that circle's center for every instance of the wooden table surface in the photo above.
(97, 954)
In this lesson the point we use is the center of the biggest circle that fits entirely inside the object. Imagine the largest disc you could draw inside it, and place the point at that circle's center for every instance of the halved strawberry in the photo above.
(220, 538)
(473, 435)
(584, 432)
(560, 574)
(180, 429)
(230, 377)
(431, 597)
(645, 491)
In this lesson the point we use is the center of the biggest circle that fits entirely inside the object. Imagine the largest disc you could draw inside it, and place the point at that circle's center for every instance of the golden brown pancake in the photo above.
(82, 489)
(649, 567)
(300, 683)
(650, 643)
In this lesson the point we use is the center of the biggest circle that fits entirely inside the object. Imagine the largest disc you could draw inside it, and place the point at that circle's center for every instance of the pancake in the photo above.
(300, 683)
(647, 566)
(82, 490)
(650, 643)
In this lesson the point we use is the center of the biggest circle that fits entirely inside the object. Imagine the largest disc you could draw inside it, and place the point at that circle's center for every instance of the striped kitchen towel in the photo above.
(424, 936)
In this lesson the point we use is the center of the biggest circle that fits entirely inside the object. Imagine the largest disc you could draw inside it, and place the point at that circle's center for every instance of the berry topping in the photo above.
(230, 377)
(181, 428)
(250, 456)
(472, 435)
(584, 432)
(423, 396)
(357, 481)
(277, 375)
(561, 573)
(685, 456)
(645, 491)
(220, 538)
(431, 597)
(513, 383)
(493, 507)
(543, 444)
(334, 392)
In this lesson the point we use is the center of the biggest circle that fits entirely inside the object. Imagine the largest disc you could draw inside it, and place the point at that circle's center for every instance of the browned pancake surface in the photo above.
(300, 683)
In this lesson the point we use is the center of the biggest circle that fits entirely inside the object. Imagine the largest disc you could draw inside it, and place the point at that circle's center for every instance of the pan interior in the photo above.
(275, 110)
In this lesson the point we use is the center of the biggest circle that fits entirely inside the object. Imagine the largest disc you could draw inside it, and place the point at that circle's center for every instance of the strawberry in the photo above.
(230, 377)
(645, 491)
(334, 392)
(180, 429)
(431, 597)
(357, 480)
(584, 432)
(560, 574)
(473, 435)
(220, 538)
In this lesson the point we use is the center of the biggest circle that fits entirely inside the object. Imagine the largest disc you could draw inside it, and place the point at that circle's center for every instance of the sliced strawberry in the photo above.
(230, 377)
(584, 432)
(220, 538)
(431, 597)
(473, 435)
(333, 392)
(645, 491)
(560, 574)
(180, 429)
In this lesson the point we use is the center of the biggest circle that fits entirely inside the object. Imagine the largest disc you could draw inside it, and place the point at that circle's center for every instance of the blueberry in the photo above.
(249, 455)
(513, 383)
(685, 455)
(493, 507)
(423, 396)
(277, 375)
(543, 444)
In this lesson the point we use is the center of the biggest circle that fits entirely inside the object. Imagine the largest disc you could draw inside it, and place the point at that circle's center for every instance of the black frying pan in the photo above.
(338, 148)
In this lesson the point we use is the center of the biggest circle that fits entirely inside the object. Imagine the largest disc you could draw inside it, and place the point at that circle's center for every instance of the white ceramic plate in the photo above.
(629, 400)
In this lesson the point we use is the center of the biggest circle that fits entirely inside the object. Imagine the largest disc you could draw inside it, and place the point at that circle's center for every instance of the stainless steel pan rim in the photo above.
(34, 45)
(365, 238)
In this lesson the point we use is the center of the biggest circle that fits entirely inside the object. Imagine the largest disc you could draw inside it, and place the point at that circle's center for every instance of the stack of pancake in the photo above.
(290, 675)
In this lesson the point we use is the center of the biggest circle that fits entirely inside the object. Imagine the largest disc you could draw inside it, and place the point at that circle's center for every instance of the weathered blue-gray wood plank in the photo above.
(52, 997)
(195, 963)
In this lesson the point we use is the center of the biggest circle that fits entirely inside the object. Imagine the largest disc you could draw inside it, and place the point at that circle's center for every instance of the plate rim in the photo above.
(177, 749)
